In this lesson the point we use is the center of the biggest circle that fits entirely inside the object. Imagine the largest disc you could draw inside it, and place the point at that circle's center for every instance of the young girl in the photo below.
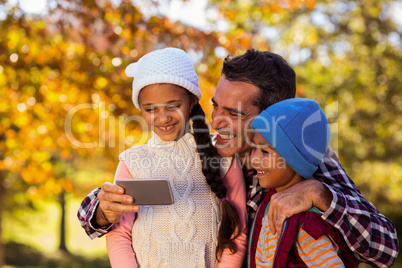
(206, 225)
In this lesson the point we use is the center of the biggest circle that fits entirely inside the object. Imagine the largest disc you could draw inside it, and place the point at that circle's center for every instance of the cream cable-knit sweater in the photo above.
(183, 234)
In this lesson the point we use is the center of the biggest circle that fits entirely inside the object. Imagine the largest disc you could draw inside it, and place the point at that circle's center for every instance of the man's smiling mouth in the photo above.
(226, 137)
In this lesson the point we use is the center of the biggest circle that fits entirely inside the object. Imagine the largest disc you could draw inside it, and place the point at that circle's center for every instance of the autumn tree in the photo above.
(62, 81)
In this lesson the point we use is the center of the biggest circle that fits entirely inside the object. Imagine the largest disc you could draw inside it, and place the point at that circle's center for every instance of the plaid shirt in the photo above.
(370, 235)
(86, 215)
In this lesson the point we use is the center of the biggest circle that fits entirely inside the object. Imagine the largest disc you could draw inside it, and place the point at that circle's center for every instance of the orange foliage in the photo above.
(73, 60)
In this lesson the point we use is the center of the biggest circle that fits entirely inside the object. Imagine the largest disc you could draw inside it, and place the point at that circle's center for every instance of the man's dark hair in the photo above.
(267, 71)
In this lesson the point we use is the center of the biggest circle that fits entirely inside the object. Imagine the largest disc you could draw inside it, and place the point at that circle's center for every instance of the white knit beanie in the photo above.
(168, 65)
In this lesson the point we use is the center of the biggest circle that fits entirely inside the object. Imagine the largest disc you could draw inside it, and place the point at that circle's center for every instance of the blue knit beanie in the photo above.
(298, 130)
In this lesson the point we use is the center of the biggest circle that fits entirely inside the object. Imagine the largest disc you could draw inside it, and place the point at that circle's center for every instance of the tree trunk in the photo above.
(62, 245)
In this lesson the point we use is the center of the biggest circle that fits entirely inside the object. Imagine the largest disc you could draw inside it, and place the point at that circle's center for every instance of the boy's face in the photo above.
(272, 170)
(166, 109)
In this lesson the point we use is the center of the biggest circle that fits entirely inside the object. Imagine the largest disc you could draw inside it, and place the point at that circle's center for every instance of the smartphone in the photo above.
(147, 191)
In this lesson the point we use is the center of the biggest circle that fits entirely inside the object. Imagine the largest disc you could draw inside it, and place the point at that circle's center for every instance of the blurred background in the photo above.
(65, 102)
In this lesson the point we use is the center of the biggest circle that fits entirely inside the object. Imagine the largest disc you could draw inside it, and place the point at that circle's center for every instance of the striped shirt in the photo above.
(322, 252)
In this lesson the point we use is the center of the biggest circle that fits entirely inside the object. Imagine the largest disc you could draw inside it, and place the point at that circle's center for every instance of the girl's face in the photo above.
(272, 170)
(166, 109)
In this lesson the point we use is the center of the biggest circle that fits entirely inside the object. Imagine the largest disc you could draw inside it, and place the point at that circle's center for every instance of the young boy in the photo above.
(290, 140)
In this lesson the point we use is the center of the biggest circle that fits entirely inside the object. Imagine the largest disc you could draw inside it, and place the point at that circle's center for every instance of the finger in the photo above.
(111, 197)
(117, 209)
(113, 188)
(271, 218)
(279, 223)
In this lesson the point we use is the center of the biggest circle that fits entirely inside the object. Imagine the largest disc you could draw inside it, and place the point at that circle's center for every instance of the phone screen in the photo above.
(148, 191)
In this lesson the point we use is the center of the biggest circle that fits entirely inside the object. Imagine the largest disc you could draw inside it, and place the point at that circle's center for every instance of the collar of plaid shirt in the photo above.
(255, 193)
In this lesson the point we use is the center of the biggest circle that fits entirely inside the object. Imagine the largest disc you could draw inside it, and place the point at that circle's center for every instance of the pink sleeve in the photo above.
(122, 171)
(118, 240)
(236, 194)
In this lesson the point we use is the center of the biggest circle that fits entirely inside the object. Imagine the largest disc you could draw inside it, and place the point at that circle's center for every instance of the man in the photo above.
(249, 84)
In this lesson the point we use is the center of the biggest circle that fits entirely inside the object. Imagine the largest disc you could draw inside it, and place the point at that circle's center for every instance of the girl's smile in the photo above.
(166, 129)
(166, 109)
